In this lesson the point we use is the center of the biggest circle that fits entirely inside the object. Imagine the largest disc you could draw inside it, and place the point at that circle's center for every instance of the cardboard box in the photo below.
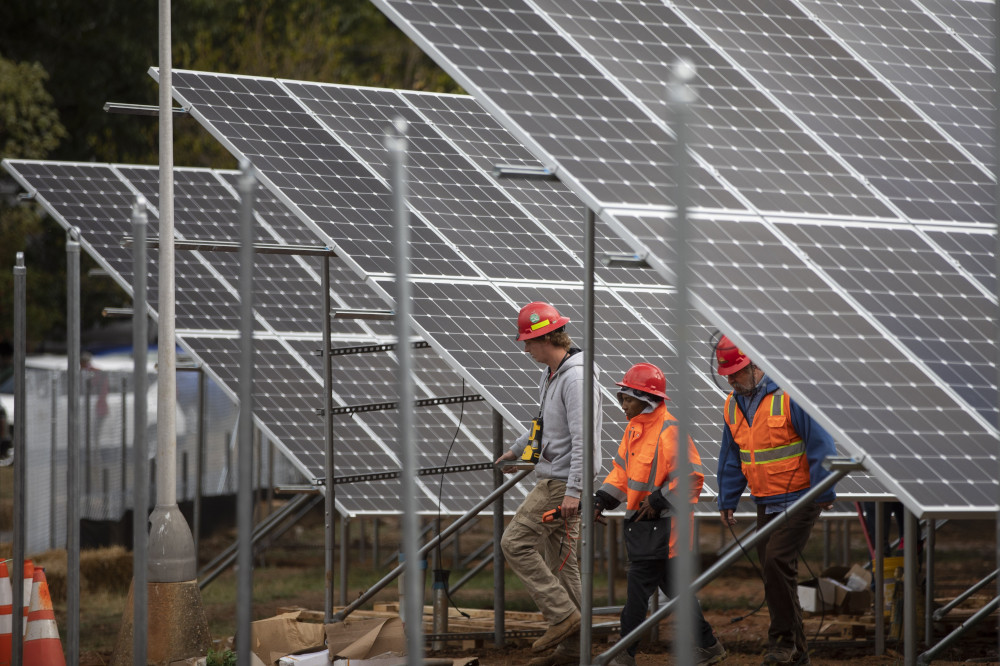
(852, 589)
(282, 635)
(816, 595)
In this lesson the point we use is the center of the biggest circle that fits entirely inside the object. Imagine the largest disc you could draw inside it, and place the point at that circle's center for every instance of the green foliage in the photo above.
(220, 657)
(29, 125)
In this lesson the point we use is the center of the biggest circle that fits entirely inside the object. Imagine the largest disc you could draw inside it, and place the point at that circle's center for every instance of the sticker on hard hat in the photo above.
(534, 318)
(535, 327)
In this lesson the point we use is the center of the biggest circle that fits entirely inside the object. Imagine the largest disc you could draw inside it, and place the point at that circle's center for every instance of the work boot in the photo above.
(710, 655)
(561, 656)
(786, 655)
(557, 632)
(623, 658)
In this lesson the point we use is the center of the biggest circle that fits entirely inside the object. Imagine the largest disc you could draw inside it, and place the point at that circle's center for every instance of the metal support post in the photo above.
(879, 572)
(929, 582)
(845, 545)
(20, 449)
(396, 143)
(362, 537)
(244, 502)
(53, 456)
(826, 544)
(978, 617)
(911, 533)
(199, 464)
(611, 538)
(940, 613)
(73, 448)
(123, 469)
(330, 506)
(681, 96)
(376, 523)
(499, 608)
(87, 435)
(345, 553)
(140, 454)
(589, 405)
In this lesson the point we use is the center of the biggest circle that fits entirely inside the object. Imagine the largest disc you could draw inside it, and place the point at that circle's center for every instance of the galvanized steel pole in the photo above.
(329, 493)
(20, 414)
(879, 580)
(73, 448)
(681, 96)
(996, 256)
(911, 534)
(140, 452)
(396, 143)
(499, 571)
(587, 491)
(244, 496)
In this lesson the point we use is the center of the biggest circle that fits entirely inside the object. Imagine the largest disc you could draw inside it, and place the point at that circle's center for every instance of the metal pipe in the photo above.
(20, 449)
(911, 531)
(589, 404)
(73, 448)
(499, 607)
(87, 459)
(345, 547)
(468, 515)
(375, 541)
(140, 453)
(940, 613)
(978, 617)
(199, 464)
(330, 505)
(879, 580)
(123, 461)
(929, 582)
(396, 143)
(611, 533)
(839, 470)
(996, 255)
(244, 496)
(845, 533)
(682, 95)
(53, 454)
(826, 544)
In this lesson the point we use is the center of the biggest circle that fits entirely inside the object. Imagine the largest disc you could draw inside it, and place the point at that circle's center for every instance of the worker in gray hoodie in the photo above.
(542, 553)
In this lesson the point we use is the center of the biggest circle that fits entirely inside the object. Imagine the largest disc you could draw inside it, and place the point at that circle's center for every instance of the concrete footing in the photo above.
(178, 618)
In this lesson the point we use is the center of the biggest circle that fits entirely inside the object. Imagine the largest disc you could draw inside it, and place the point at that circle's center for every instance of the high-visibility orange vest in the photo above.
(646, 460)
(772, 455)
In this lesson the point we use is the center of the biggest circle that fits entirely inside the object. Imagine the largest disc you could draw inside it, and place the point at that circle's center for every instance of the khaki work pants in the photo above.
(536, 551)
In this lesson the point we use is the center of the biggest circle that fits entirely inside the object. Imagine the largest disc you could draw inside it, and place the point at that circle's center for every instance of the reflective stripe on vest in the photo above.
(650, 484)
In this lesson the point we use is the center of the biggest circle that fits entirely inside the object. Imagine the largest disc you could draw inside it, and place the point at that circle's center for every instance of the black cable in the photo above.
(454, 438)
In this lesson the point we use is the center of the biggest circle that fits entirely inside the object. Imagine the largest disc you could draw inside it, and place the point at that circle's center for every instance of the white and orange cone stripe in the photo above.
(6, 619)
(41, 642)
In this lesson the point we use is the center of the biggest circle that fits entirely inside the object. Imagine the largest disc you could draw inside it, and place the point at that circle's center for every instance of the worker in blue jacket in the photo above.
(772, 445)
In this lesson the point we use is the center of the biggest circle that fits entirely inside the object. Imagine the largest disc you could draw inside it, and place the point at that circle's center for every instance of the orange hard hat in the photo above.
(538, 318)
(729, 357)
(647, 378)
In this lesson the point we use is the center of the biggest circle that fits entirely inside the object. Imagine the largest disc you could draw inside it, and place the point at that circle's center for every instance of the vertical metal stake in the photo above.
(395, 141)
(499, 607)
(681, 96)
(123, 458)
(345, 553)
(330, 507)
(140, 451)
(589, 405)
(244, 503)
(929, 582)
(73, 444)
(879, 565)
(20, 448)
(199, 462)
(911, 531)
(53, 457)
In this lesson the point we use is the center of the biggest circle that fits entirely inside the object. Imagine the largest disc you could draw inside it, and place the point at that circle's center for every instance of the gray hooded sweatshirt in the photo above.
(561, 456)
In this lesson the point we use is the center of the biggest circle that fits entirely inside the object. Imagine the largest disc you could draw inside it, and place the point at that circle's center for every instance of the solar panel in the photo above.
(835, 124)
(288, 367)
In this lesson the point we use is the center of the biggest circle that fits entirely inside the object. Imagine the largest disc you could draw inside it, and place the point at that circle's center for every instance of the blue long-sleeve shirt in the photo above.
(819, 445)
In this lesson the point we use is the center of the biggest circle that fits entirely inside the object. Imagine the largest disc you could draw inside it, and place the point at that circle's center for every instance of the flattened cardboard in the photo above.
(366, 637)
(284, 634)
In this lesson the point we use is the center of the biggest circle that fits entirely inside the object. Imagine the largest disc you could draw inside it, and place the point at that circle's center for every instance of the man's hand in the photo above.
(825, 506)
(599, 518)
(646, 511)
(508, 455)
(570, 507)
(726, 516)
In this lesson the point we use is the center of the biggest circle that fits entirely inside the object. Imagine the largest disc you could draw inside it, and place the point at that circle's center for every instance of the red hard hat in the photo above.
(729, 357)
(647, 378)
(537, 319)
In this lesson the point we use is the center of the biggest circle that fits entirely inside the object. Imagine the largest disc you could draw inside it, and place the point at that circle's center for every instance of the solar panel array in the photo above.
(841, 191)
(483, 246)
(97, 198)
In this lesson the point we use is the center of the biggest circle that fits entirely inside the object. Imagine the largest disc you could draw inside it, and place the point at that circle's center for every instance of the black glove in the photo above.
(604, 501)
(657, 501)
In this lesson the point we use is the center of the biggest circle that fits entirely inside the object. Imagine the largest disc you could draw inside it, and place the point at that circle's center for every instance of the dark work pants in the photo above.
(779, 557)
(644, 577)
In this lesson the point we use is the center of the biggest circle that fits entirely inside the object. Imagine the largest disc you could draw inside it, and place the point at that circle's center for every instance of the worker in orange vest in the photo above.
(643, 476)
(772, 445)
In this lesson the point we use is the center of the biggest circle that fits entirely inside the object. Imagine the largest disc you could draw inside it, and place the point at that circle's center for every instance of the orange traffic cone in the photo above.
(6, 625)
(26, 579)
(41, 642)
